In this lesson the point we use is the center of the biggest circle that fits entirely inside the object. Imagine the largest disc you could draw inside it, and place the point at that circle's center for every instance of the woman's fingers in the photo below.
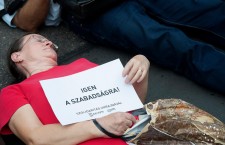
(117, 123)
(136, 69)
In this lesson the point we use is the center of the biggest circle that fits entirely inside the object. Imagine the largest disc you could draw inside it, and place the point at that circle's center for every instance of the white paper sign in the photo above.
(91, 94)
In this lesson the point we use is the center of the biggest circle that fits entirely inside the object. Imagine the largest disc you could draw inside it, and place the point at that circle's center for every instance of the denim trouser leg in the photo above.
(129, 27)
(207, 15)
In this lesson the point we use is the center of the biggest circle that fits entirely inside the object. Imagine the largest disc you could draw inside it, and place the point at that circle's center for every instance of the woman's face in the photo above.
(36, 47)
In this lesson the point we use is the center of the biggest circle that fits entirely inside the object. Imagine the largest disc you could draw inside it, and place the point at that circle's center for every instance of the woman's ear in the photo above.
(15, 56)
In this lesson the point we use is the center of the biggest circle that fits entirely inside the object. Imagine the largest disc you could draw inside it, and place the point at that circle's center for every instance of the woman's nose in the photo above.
(51, 44)
(48, 42)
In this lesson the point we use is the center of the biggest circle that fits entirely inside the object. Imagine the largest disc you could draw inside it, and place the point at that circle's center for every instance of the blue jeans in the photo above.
(160, 30)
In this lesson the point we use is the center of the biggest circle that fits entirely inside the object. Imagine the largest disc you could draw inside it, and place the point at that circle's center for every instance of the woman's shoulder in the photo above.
(10, 89)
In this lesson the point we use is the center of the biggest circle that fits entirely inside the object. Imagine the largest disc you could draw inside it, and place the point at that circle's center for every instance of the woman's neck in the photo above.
(38, 70)
(38, 67)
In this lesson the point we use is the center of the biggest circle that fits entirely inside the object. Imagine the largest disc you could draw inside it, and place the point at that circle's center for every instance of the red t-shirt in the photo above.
(30, 92)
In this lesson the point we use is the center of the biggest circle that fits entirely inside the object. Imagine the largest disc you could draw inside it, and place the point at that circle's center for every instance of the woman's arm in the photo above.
(136, 72)
(25, 124)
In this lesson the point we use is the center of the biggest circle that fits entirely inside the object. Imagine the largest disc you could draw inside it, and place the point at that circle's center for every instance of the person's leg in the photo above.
(129, 27)
(206, 15)
(31, 15)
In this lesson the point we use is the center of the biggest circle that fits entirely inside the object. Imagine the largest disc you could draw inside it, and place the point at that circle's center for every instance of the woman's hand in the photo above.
(117, 123)
(136, 69)
(136, 72)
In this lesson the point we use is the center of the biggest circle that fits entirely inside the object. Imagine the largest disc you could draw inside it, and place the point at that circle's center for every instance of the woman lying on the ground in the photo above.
(26, 112)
